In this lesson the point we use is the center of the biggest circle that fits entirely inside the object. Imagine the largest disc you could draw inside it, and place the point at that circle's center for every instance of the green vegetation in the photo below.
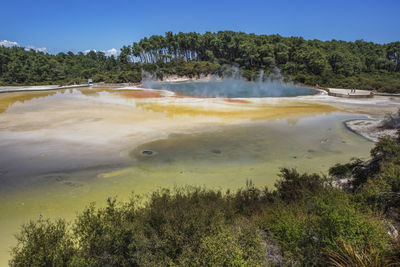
(18, 66)
(306, 220)
(358, 64)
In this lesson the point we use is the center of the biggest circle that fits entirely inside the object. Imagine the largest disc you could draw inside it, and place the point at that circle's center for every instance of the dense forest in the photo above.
(358, 64)
(347, 219)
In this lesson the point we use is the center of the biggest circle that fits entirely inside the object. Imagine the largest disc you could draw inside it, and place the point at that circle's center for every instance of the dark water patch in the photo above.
(216, 151)
(148, 153)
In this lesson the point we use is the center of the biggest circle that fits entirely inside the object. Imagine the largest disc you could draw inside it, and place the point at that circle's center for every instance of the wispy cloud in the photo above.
(39, 49)
(88, 50)
(110, 52)
(7, 43)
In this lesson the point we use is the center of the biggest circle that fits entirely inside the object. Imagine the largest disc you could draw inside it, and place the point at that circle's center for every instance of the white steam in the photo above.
(232, 85)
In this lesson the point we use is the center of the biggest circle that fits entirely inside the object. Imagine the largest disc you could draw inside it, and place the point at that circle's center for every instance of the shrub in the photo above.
(338, 218)
(43, 243)
(294, 186)
(304, 230)
(391, 121)
(287, 225)
(107, 236)
(368, 256)
(237, 245)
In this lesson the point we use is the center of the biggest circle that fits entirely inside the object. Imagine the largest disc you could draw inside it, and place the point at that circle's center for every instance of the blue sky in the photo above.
(72, 25)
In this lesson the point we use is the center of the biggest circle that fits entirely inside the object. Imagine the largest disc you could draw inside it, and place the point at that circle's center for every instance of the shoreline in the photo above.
(171, 79)
(369, 129)
(13, 89)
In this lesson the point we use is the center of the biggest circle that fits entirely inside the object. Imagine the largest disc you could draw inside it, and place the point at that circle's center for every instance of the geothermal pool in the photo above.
(61, 150)
(232, 88)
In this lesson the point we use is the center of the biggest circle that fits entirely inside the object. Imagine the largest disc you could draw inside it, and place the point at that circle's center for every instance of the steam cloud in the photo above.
(232, 85)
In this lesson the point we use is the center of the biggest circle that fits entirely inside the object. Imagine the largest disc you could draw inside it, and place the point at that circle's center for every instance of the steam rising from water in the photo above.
(232, 85)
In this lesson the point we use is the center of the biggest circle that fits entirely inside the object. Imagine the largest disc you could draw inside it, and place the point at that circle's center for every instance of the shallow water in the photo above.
(59, 151)
(231, 88)
(252, 151)
(307, 138)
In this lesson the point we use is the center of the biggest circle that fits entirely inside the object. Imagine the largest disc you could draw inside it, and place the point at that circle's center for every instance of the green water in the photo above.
(311, 144)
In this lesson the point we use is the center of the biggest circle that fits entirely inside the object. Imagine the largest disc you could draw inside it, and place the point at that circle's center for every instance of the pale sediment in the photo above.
(11, 89)
(370, 129)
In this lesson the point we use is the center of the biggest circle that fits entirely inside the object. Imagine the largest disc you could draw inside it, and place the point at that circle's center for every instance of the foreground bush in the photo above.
(198, 227)
(304, 227)
(185, 227)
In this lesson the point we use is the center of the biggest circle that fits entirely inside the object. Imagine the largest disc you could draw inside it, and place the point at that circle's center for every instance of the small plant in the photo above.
(368, 256)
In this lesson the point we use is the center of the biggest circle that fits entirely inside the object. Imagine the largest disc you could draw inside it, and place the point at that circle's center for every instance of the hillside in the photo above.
(359, 64)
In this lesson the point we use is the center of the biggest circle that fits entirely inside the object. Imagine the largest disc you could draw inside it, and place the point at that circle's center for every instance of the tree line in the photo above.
(359, 64)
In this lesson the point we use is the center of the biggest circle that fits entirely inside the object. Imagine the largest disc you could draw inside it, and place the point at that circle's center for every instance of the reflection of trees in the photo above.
(8, 99)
